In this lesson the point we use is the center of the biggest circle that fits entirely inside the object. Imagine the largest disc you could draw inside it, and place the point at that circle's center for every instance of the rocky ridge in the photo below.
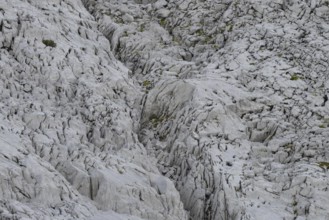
(164, 109)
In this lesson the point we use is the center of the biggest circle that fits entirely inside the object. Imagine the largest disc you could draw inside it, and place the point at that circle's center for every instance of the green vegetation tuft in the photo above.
(155, 120)
(163, 22)
(200, 32)
(142, 28)
(147, 83)
(294, 77)
(208, 39)
(324, 165)
(49, 43)
(229, 27)
(325, 123)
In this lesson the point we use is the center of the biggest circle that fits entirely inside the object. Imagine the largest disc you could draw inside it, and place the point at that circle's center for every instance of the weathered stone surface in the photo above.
(69, 121)
(163, 109)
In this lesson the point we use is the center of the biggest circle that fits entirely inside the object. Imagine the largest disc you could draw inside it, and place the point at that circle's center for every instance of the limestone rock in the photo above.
(163, 109)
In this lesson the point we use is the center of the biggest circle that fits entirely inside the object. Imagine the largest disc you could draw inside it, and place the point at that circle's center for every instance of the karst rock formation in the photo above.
(164, 109)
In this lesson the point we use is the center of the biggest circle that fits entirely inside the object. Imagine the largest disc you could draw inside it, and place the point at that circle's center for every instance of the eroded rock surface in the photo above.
(164, 109)
(69, 122)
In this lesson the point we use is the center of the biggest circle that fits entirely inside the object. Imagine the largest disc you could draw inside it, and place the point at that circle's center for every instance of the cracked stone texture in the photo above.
(163, 109)
(69, 122)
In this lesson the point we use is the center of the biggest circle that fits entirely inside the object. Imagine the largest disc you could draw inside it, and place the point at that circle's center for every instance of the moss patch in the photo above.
(49, 43)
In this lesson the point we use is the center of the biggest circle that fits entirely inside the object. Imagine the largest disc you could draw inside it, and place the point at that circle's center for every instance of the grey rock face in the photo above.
(164, 109)
(69, 122)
